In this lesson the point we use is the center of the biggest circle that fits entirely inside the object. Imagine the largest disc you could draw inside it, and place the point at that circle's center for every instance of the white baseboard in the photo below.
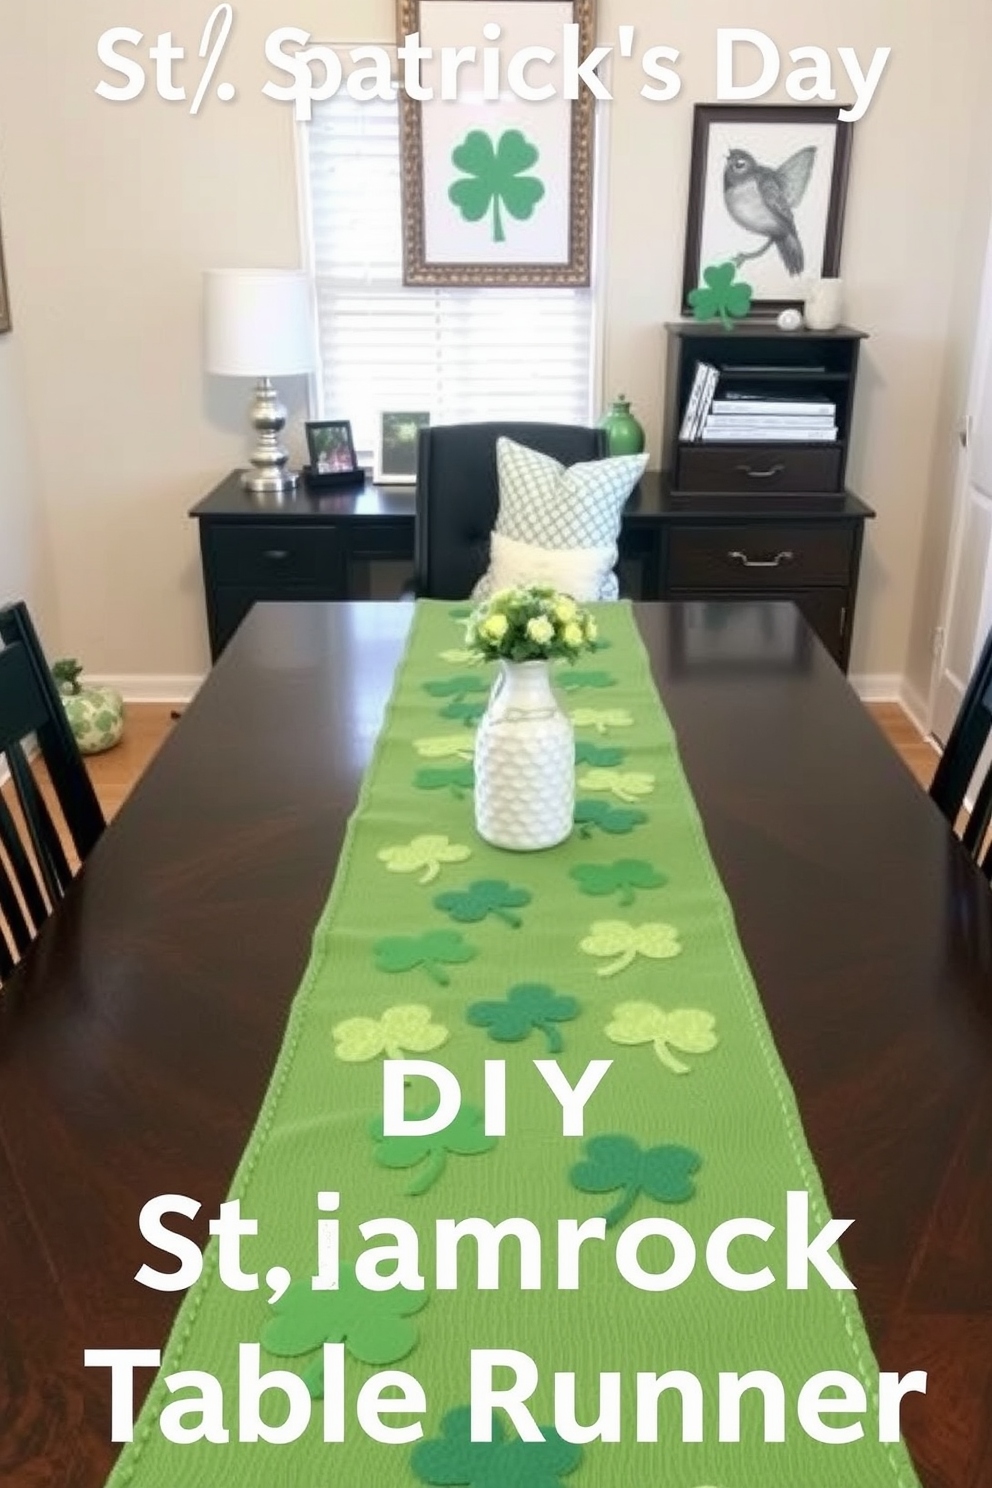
(152, 689)
(878, 687)
(915, 704)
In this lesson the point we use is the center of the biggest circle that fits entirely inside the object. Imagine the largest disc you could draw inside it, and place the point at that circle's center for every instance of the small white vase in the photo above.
(524, 762)
(824, 304)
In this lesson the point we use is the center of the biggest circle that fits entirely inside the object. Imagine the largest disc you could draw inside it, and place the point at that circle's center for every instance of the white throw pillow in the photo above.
(558, 524)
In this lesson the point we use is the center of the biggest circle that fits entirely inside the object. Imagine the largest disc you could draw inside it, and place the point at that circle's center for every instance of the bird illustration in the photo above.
(762, 200)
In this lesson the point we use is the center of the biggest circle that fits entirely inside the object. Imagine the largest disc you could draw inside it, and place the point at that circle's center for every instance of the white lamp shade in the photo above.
(258, 323)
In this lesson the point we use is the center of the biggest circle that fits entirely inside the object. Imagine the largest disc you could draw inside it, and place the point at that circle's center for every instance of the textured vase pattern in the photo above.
(524, 762)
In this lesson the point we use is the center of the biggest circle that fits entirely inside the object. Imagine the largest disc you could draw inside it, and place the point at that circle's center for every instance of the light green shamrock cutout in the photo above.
(628, 786)
(460, 658)
(445, 746)
(686, 1029)
(400, 1028)
(625, 942)
(602, 719)
(429, 953)
(424, 855)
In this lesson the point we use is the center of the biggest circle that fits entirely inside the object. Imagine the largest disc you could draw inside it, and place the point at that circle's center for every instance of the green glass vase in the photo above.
(624, 434)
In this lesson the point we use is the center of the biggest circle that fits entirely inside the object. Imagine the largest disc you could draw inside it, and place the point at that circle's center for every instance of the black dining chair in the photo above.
(956, 771)
(458, 495)
(34, 869)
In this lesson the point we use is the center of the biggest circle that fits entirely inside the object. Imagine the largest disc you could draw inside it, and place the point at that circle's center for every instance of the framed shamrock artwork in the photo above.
(766, 198)
(497, 188)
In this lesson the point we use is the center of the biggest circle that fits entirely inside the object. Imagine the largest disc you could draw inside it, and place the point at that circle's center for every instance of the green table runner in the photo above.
(620, 945)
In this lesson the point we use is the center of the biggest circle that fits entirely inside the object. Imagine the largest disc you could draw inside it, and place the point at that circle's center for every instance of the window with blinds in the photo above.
(460, 354)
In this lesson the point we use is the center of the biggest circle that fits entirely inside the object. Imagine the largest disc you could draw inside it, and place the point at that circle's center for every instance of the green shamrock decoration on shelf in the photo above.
(494, 178)
(686, 1029)
(616, 821)
(576, 681)
(465, 1137)
(461, 711)
(373, 1326)
(599, 757)
(625, 942)
(459, 687)
(430, 953)
(454, 1460)
(460, 780)
(488, 896)
(602, 719)
(721, 296)
(424, 855)
(525, 1008)
(445, 746)
(627, 787)
(599, 880)
(408, 1028)
(661, 1173)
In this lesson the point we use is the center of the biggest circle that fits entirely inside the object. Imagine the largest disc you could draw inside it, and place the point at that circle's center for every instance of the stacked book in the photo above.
(751, 418)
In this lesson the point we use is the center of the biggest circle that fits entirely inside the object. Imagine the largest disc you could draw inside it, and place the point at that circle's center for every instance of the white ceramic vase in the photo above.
(824, 304)
(524, 762)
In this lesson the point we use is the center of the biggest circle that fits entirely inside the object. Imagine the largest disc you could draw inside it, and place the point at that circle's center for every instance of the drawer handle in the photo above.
(752, 474)
(776, 562)
(276, 554)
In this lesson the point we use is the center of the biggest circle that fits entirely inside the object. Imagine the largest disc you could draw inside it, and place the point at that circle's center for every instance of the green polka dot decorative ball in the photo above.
(95, 714)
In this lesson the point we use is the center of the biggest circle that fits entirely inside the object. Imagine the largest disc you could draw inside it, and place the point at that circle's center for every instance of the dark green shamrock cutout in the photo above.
(575, 681)
(465, 1137)
(429, 953)
(373, 1326)
(623, 878)
(721, 296)
(495, 177)
(455, 1461)
(461, 612)
(616, 821)
(487, 896)
(462, 712)
(526, 1007)
(457, 687)
(459, 779)
(599, 756)
(662, 1173)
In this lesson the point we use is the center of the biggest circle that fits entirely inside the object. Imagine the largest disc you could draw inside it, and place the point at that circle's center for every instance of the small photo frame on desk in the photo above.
(397, 438)
(333, 463)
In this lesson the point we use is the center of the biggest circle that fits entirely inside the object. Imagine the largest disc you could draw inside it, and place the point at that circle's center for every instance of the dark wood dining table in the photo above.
(137, 1040)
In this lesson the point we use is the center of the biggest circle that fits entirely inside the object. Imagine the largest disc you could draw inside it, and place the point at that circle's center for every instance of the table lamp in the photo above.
(259, 323)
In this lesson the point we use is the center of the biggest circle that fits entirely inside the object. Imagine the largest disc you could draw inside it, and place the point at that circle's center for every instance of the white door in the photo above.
(967, 614)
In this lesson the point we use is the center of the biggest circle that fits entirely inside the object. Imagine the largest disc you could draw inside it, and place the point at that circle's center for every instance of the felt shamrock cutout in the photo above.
(494, 177)
(525, 1008)
(465, 1137)
(430, 953)
(614, 820)
(373, 1326)
(457, 687)
(661, 1173)
(445, 746)
(626, 942)
(575, 681)
(460, 658)
(460, 780)
(687, 1029)
(627, 786)
(602, 720)
(601, 879)
(600, 757)
(461, 612)
(719, 297)
(488, 896)
(464, 712)
(456, 1461)
(409, 1027)
(424, 855)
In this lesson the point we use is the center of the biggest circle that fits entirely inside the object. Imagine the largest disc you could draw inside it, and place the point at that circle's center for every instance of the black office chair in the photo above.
(956, 770)
(34, 871)
(458, 495)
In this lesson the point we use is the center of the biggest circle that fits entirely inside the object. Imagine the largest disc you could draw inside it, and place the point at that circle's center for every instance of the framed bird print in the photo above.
(767, 191)
(497, 187)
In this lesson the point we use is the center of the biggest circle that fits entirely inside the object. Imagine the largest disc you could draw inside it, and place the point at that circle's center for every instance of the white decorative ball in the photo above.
(790, 320)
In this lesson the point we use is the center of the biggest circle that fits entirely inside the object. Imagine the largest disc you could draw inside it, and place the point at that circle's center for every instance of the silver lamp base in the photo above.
(269, 474)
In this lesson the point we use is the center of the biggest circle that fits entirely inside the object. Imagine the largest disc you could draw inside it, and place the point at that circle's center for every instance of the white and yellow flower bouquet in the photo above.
(536, 623)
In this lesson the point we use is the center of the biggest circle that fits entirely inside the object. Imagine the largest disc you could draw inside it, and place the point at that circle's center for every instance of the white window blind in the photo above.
(460, 354)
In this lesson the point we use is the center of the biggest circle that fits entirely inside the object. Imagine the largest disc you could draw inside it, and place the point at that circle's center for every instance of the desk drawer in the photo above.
(758, 556)
(274, 553)
(759, 467)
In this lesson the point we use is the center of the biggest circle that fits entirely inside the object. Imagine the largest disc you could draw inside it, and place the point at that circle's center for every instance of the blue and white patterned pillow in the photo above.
(558, 524)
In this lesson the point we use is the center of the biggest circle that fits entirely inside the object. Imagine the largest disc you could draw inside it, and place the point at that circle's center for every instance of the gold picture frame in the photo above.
(575, 270)
(5, 321)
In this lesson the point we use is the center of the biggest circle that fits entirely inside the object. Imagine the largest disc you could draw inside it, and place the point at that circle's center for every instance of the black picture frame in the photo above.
(331, 447)
(792, 119)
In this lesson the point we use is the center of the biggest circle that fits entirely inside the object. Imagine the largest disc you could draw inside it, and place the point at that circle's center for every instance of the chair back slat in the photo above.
(24, 883)
(968, 738)
(42, 831)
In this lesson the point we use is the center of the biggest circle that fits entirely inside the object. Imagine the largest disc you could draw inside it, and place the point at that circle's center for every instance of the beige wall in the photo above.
(112, 210)
(22, 543)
